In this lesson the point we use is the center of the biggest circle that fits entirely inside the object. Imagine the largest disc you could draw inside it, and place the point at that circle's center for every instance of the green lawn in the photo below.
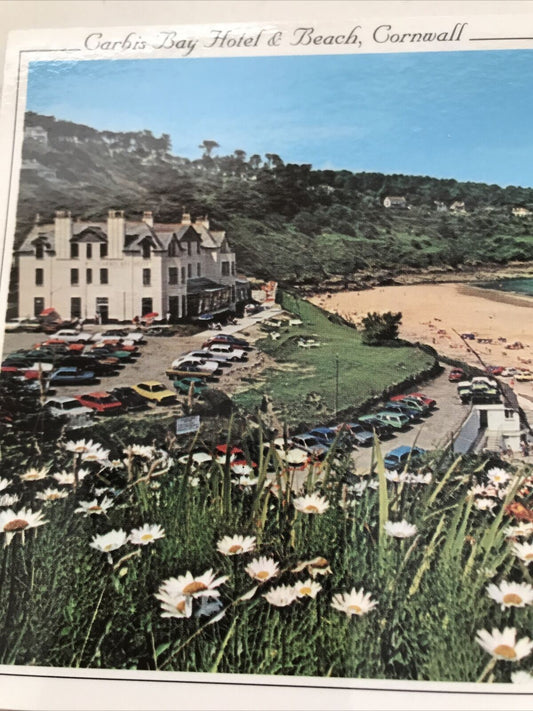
(363, 371)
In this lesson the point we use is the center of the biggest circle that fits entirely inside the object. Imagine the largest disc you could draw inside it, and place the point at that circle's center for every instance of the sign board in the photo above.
(187, 424)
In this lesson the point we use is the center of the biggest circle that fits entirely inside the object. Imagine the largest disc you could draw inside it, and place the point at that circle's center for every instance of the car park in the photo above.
(70, 376)
(103, 403)
(399, 457)
(75, 414)
(130, 399)
(359, 434)
(156, 392)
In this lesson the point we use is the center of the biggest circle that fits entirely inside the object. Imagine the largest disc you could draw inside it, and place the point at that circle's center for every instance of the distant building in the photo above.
(458, 206)
(440, 206)
(399, 203)
(520, 211)
(37, 133)
(118, 269)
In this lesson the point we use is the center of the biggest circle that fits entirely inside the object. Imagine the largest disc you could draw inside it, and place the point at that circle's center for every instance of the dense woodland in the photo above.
(285, 221)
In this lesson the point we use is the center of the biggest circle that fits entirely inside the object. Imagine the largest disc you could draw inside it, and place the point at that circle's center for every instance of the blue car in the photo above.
(398, 458)
(328, 435)
(70, 375)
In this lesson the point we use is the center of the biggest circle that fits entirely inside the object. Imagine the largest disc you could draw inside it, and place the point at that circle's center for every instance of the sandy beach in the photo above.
(432, 312)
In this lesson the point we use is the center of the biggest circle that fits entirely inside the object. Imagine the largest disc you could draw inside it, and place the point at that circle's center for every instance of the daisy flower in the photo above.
(11, 522)
(504, 645)
(51, 495)
(307, 589)
(174, 605)
(93, 508)
(281, 596)
(241, 468)
(109, 541)
(498, 476)
(511, 594)
(4, 483)
(522, 529)
(96, 454)
(147, 534)
(82, 446)
(353, 603)
(312, 504)
(400, 529)
(235, 545)
(201, 586)
(262, 569)
(484, 504)
(8, 500)
(317, 566)
(524, 551)
(67, 478)
(34, 474)
(392, 476)
(245, 480)
(139, 450)
(521, 677)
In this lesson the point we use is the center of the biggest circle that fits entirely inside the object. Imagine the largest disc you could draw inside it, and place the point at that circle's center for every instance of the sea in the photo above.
(522, 286)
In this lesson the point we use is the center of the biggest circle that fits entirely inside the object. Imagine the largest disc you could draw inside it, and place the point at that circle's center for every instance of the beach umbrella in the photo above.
(152, 314)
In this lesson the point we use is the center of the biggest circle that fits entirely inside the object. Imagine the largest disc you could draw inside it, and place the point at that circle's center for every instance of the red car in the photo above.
(104, 403)
(495, 369)
(424, 398)
(456, 375)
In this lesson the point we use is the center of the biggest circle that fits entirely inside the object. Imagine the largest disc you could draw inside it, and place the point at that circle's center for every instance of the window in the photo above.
(172, 275)
(147, 250)
(74, 277)
(174, 307)
(89, 276)
(38, 305)
(104, 278)
(189, 248)
(39, 277)
(103, 250)
(189, 270)
(509, 414)
(39, 251)
(146, 277)
(198, 269)
(225, 268)
(74, 250)
(89, 251)
(172, 248)
(233, 268)
(75, 307)
(146, 306)
(198, 247)
(183, 275)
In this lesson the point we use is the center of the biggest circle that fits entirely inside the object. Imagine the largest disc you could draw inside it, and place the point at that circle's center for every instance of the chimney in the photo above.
(115, 233)
(202, 221)
(148, 218)
(185, 219)
(37, 220)
(63, 233)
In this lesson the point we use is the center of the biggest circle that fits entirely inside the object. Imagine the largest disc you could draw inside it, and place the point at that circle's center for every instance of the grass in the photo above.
(307, 377)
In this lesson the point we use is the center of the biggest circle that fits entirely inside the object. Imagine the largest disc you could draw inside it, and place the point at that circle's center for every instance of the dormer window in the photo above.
(39, 251)
(173, 248)
(146, 250)
(74, 250)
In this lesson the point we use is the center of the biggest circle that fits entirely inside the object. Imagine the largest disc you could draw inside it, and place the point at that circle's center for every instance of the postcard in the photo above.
(267, 370)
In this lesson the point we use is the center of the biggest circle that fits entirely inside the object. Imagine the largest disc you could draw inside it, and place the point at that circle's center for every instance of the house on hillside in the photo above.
(36, 133)
(118, 268)
(458, 207)
(398, 203)
(440, 206)
(520, 211)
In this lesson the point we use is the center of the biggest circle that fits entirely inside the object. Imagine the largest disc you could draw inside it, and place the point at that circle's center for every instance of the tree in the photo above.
(239, 154)
(380, 328)
(207, 146)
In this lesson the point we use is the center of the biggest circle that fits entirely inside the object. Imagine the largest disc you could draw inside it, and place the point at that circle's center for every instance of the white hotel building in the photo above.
(120, 268)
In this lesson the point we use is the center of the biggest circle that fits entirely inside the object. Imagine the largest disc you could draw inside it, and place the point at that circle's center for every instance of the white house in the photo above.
(118, 269)
(399, 203)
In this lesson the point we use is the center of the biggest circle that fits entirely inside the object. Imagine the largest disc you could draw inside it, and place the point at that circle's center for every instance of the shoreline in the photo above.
(505, 297)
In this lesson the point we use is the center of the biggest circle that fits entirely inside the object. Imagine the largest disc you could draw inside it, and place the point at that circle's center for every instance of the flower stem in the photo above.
(490, 666)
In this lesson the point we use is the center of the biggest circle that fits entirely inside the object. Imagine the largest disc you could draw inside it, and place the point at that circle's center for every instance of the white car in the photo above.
(15, 324)
(69, 407)
(208, 366)
(70, 335)
(135, 337)
(220, 358)
(226, 349)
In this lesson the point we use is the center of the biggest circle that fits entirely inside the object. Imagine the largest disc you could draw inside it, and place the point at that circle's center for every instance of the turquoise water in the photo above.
(517, 286)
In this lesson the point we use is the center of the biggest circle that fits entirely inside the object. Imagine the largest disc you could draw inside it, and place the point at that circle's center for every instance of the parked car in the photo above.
(222, 359)
(429, 401)
(311, 445)
(70, 335)
(227, 338)
(288, 452)
(160, 331)
(130, 399)
(524, 377)
(102, 403)
(100, 367)
(120, 345)
(189, 368)
(396, 420)
(413, 414)
(328, 436)
(184, 385)
(398, 458)
(416, 401)
(156, 392)
(108, 351)
(69, 375)
(208, 366)
(494, 369)
(359, 434)
(382, 429)
(136, 336)
(456, 374)
(76, 415)
(15, 324)
(229, 350)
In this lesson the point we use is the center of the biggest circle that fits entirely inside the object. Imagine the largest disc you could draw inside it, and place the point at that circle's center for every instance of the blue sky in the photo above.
(462, 115)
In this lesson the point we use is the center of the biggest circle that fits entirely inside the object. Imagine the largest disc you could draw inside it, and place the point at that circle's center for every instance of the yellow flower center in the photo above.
(504, 650)
(355, 609)
(310, 508)
(52, 497)
(94, 508)
(512, 599)
(320, 563)
(194, 587)
(262, 575)
(306, 590)
(31, 477)
(529, 556)
(108, 547)
(17, 524)
(235, 548)
(146, 537)
(180, 607)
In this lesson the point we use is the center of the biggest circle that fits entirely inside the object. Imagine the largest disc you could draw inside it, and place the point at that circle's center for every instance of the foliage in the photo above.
(379, 329)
